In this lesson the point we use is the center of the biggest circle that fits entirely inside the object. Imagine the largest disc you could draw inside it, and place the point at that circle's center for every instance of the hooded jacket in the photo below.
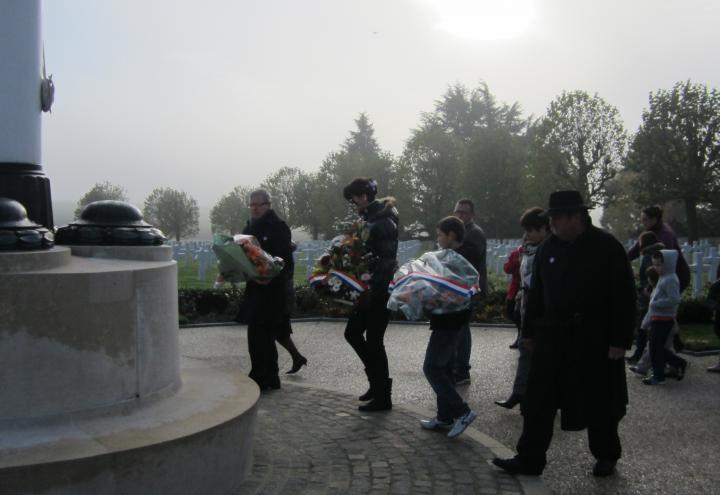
(665, 234)
(665, 297)
(380, 236)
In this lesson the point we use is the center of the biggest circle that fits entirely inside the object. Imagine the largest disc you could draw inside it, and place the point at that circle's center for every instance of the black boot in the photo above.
(369, 394)
(511, 401)
(382, 397)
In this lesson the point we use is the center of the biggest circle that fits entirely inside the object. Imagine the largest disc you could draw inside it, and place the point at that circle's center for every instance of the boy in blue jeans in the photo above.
(452, 411)
(660, 318)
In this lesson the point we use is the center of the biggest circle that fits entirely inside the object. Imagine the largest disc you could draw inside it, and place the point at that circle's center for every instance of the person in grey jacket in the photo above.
(660, 318)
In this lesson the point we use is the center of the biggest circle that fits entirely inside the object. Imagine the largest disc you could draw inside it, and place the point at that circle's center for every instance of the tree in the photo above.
(494, 179)
(580, 143)
(473, 146)
(676, 151)
(621, 216)
(230, 213)
(282, 186)
(99, 192)
(174, 212)
(435, 158)
(359, 156)
(306, 193)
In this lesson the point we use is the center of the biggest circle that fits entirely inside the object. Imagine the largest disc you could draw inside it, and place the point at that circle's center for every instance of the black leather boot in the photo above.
(382, 397)
(511, 401)
(369, 394)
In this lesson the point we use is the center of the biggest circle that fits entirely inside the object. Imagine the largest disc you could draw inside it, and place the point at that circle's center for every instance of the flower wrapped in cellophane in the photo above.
(240, 258)
(342, 273)
(438, 282)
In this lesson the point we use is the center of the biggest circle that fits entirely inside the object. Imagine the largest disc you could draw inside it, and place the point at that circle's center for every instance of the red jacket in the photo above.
(512, 267)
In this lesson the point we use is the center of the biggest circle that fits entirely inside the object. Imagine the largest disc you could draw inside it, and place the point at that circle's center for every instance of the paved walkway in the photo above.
(316, 441)
(670, 435)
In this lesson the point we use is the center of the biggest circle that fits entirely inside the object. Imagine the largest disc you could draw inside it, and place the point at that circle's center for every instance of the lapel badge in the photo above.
(552, 259)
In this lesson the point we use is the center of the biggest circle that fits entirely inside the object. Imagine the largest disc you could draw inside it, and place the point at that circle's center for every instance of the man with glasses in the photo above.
(265, 302)
(474, 241)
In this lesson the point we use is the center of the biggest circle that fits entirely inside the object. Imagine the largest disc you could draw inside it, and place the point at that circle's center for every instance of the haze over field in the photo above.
(203, 96)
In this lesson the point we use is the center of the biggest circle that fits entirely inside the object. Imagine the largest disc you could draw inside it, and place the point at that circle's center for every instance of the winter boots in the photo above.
(380, 396)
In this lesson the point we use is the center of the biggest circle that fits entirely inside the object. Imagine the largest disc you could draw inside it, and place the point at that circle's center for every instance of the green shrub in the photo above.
(694, 311)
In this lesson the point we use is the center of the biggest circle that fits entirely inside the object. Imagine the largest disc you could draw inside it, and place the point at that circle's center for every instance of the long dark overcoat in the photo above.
(581, 302)
(265, 304)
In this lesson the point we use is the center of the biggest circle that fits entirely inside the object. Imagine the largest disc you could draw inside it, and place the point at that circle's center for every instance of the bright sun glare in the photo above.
(483, 20)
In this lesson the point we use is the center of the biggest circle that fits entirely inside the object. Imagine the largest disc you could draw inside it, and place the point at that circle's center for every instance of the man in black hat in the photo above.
(578, 322)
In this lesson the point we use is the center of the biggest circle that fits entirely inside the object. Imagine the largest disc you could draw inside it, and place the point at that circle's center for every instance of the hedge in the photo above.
(220, 305)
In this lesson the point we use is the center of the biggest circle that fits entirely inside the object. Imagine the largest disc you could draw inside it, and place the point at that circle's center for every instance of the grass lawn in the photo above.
(699, 336)
(188, 276)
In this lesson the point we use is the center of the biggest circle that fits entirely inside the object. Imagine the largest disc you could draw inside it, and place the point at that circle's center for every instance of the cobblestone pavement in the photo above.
(316, 441)
(670, 435)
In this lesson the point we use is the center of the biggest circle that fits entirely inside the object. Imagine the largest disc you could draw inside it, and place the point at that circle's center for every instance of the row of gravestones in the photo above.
(703, 257)
(200, 252)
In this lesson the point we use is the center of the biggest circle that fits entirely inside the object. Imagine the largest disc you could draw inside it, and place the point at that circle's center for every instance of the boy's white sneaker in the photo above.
(435, 424)
(461, 423)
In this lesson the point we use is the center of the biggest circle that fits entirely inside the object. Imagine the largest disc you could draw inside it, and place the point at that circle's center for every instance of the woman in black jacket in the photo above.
(366, 327)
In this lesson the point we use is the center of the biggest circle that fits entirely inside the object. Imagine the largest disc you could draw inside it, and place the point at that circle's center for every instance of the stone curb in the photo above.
(531, 485)
(320, 319)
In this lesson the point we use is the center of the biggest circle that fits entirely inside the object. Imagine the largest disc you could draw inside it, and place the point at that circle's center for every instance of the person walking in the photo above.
(649, 245)
(284, 336)
(474, 241)
(265, 302)
(660, 317)
(714, 300)
(365, 329)
(453, 413)
(578, 323)
(512, 308)
(536, 229)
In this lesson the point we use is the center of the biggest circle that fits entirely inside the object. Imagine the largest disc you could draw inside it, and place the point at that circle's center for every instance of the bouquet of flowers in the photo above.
(342, 273)
(241, 258)
(438, 282)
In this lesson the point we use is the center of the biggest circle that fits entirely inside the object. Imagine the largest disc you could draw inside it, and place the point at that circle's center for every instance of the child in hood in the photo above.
(660, 318)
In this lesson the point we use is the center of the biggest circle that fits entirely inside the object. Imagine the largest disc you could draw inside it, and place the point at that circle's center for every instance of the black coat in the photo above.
(380, 236)
(581, 302)
(265, 304)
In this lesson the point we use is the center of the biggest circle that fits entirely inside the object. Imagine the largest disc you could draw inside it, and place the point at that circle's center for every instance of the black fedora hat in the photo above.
(565, 202)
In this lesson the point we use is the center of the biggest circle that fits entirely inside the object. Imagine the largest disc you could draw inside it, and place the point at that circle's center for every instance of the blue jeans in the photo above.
(439, 371)
(462, 358)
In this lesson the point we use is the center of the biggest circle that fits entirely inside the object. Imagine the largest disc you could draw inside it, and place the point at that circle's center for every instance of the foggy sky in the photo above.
(204, 96)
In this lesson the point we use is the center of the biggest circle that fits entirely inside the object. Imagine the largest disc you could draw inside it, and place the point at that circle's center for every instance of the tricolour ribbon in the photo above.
(344, 277)
(452, 285)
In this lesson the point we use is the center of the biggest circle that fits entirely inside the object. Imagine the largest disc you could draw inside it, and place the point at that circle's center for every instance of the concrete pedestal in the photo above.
(93, 398)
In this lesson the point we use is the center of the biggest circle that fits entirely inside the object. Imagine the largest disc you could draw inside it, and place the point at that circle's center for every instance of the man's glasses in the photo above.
(257, 205)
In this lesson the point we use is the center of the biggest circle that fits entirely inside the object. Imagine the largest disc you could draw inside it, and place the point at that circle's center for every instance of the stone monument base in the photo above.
(196, 441)
(93, 397)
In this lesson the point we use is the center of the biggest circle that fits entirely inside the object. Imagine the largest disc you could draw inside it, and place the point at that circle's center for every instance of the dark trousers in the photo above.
(263, 355)
(659, 354)
(523, 369)
(439, 371)
(538, 431)
(464, 347)
(365, 331)
(640, 342)
(462, 356)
